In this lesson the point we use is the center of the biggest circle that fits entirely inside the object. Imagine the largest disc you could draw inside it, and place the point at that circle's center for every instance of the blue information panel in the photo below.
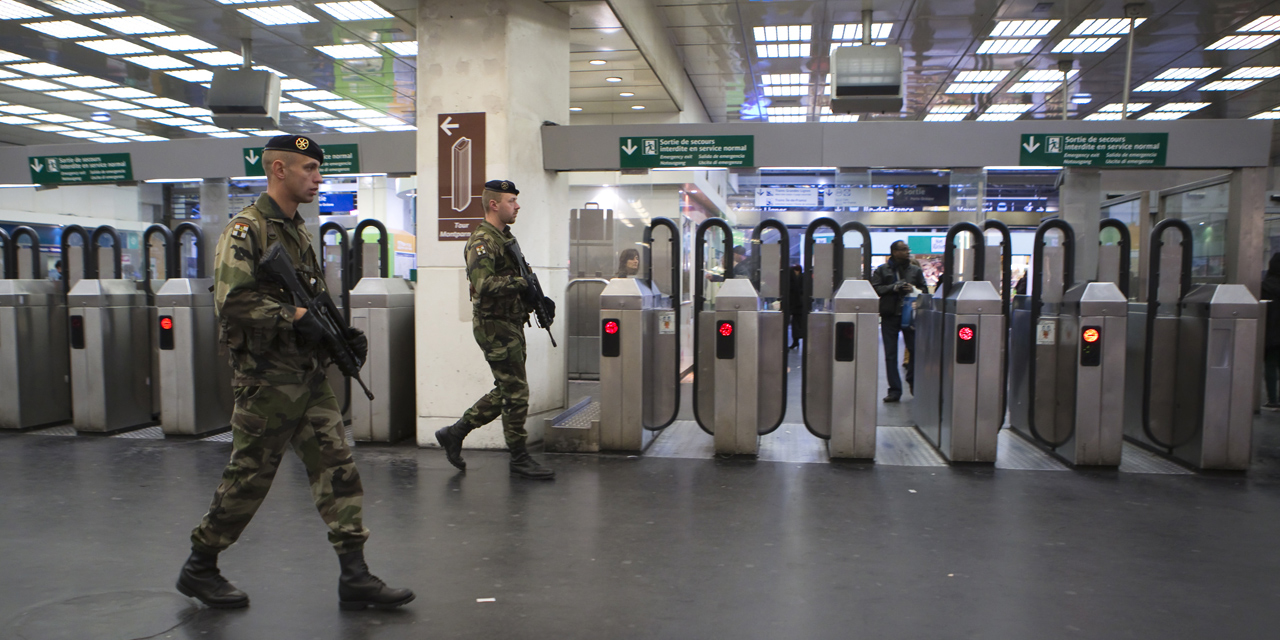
(337, 202)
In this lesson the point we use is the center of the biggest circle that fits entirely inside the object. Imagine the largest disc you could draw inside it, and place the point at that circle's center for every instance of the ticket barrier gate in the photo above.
(739, 354)
(640, 353)
(110, 348)
(1193, 402)
(959, 360)
(841, 348)
(382, 307)
(35, 382)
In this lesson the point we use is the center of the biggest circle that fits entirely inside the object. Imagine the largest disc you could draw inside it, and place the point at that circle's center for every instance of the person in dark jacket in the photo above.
(1271, 294)
(798, 313)
(892, 280)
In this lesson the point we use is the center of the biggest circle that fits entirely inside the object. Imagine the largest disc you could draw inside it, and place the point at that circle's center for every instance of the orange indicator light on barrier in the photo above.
(610, 327)
(166, 323)
(1091, 335)
(726, 329)
(966, 333)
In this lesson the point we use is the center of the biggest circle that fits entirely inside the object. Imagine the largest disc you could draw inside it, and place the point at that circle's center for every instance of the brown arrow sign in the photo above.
(460, 157)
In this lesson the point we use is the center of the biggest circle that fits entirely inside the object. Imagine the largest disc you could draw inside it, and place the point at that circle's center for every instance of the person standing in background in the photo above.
(798, 315)
(892, 281)
(628, 264)
(1271, 356)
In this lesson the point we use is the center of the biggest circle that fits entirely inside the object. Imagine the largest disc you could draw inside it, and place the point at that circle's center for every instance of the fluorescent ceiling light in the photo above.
(879, 31)
(294, 84)
(145, 114)
(123, 133)
(613, 79)
(1165, 115)
(10, 10)
(150, 138)
(91, 126)
(133, 25)
(9, 74)
(162, 103)
(42, 69)
(1266, 115)
(1105, 27)
(1265, 23)
(785, 90)
(353, 11)
(277, 15)
(218, 58)
(176, 122)
(294, 107)
(594, 62)
(361, 129)
(1117, 107)
(180, 43)
(63, 29)
(839, 117)
(1023, 28)
(159, 62)
(1103, 116)
(229, 134)
(630, 94)
(999, 117)
(108, 140)
(86, 82)
(789, 33)
(83, 7)
(945, 117)
(788, 118)
(112, 105)
(203, 128)
(1163, 85)
(575, 109)
(8, 56)
(1186, 73)
(358, 114)
(995, 75)
(382, 122)
(1085, 45)
(409, 127)
(786, 111)
(16, 120)
(403, 47)
(19, 110)
(192, 75)
(339, 105)
(970, 87)
(1183, 106)
(60, 118)
(348, 51)
(1046, 75)
(951, 108)
(29, 84)
(334, 123)
(783, 78)
(1247, 73)
(637, 107)
(1237, 43)
(191, 111)
(312, 115)
(1230, 85)
(1008, 108)
(996, 47)
(51, 128)
(782, 50)
(113, 46)
(127, 93)
(1034, 87)
(80, 134)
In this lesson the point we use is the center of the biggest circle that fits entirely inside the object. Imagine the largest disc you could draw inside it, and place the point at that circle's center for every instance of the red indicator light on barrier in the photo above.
(966, 333)
(610, 327)
(1091, 335)
(166, 323)
(726, 329)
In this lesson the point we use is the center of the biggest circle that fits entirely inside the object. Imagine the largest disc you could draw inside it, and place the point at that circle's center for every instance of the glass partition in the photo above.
(1203, 206)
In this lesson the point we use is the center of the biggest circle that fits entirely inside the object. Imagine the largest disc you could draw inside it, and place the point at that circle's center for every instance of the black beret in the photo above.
(502, 186)
(297, 144)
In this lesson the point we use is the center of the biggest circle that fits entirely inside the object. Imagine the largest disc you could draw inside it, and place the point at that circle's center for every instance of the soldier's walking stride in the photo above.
(282, 398)
(501, 306)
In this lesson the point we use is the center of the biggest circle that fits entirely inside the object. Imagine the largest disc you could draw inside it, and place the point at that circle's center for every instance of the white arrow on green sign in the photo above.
(86, 169)
(1094, 149)
(338, 158)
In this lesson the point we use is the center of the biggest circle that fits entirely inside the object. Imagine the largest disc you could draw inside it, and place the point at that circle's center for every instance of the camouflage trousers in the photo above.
(504, 348)
(266, 421)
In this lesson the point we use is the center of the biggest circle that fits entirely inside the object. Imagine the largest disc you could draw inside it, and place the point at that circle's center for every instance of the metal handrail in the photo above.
(949, 254)
(837, 279)
(1122, 278)
(170, 257)
(699, 287)
(675, 296)
(1153, 305)
(188, 228)
(1006, 262)
(37, 272)
(117, 249)
(1195, 186)
(1068, 279)
(866, 245)
(384, 270)
(784, 293)
(344, 263)
(568, 308)
(64, 245)
(9, 272)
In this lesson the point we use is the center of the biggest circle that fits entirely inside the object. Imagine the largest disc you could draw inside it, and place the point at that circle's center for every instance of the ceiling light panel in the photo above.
(127, 93)
(61, 118)
(334, 123)
(86, 82)
(409, 127)
(1248, 73)
(108, 140)
(1230, 85)
(9, 74)
(338, 105)
(786, 111)
(29, 84)
(793, 50)
(1034, 87)
(830, 117)
(1008, 108)
(1046, 75)
(10, 10)
(951, 108)
(310, 96)
(981, 76)
(1163, 85)
(293, 84)
(114, 46)
(403, 48)
(293, 107)
(1183, 106)
(80, 134)
(970, 87)
(1265, 23)
(278, 15)
(1116, 107)
(783, 90)
(783, 78)
(1266, 115)
(353, 11)
(123, 133)
(1023, 28)
(364, 129)
(879, 31)
(203, 128)
(789, 33)
(42, 69)
(159, 62)
(1165, 115)
(312, 115)
(788, 119)
(360, 114)
(192, 75)
(145, 114)
(1007, 46)
(945, 117)
(1187, 73)
(63, 29)
(192, 111)
(180, 43)
(83, 7)
(1239, 43)
(19, 110)
(218, 58)
(998, 117)
(1085, 45)
(382, 122)
(1103, 116)
(176, 122)
(111, 105)
(348, 51)
(230, 134)
(6, 56)
(133, 25)
(81, 124)
(1105, 27)
(15, 120)
(162, 103)
(51, 128)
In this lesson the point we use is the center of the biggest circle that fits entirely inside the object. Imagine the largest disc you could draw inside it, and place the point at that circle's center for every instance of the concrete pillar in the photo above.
(215, 211)
(510, 60)
(1245, 209)
(1079, 203)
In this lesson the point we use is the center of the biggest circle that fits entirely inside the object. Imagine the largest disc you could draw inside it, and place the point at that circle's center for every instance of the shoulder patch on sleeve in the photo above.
(480, 250)
(240, 230)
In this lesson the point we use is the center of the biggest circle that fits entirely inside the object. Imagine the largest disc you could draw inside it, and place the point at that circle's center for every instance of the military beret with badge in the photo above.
(296, 144)
(502, 186)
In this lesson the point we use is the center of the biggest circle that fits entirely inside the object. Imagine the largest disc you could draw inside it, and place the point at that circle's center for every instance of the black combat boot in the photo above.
(358, 589)
(200, 579)
(450, 439)
(526, 467)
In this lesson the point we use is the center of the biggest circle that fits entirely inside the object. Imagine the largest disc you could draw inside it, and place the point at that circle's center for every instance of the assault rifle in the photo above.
(543, 307)
(278, 267)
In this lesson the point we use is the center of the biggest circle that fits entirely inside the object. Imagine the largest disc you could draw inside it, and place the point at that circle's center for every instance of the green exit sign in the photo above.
(1094, 149)
(81, 169)
(338, 159)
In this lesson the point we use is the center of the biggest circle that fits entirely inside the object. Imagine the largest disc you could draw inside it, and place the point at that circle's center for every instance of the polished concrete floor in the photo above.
(95, 528)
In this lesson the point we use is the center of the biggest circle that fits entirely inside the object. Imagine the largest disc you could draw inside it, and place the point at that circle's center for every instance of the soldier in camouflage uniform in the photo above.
(281, 395)
(499, 314)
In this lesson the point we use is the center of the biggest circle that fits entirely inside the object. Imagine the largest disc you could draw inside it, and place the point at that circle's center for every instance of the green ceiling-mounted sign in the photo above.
(693, 151)
(338, 158)
(86, 169)
(1094, 150)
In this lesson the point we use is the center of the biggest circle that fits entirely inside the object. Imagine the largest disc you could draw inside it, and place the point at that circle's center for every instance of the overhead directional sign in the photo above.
(460, 157)
(706, 151)
(1094, 150)
(87, 169)
(338, 159)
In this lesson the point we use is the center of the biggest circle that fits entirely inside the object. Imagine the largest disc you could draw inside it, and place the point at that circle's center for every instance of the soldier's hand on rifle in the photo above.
(357, 341)
(550, 306)
(309, 327)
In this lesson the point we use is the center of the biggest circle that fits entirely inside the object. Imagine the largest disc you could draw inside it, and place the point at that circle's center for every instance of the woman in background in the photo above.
(628, 264)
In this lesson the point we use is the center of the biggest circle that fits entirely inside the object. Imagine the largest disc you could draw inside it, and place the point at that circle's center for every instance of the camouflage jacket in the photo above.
(494, 275)
(257, 317)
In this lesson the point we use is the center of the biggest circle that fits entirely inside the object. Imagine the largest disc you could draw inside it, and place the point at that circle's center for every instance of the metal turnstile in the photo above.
(640, 352)
(382, 307)
(110, 348)
(35, 383)
(1192, 355)
(959, 360)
